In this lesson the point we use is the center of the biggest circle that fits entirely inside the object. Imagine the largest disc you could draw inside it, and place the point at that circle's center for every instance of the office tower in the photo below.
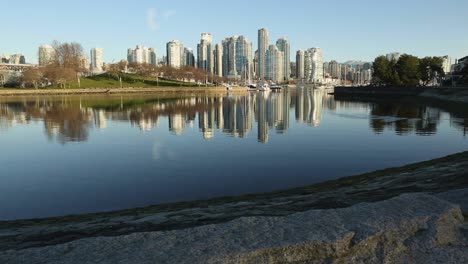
(274, 64)
(313, 65)
(46, 55)
(175, 54)
(205, 53)
(218, 60)
(284, 46)
(263, 43)
(300, 57)
(97, 60)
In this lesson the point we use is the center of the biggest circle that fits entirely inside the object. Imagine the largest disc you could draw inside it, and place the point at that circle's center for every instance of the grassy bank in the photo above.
(105, 84)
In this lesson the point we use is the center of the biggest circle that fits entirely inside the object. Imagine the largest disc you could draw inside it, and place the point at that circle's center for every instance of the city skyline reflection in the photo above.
(69, 119)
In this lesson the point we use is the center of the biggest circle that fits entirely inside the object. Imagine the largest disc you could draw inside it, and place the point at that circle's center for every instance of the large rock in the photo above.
(413, 228)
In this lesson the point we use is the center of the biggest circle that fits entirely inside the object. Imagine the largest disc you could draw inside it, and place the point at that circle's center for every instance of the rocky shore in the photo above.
(239, 223)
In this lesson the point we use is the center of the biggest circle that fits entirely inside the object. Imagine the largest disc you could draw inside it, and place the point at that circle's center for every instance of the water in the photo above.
(70, 155)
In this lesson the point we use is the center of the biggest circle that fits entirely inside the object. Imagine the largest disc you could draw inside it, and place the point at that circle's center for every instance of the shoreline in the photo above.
(6, 92)
(433, 176)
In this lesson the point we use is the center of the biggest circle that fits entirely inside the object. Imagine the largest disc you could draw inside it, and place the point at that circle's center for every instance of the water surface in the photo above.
(70, 155)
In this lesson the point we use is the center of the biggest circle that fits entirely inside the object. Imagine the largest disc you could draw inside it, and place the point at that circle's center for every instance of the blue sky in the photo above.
(345, 30)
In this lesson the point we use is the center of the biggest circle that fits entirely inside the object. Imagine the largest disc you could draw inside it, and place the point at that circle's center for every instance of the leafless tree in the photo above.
(33, 77)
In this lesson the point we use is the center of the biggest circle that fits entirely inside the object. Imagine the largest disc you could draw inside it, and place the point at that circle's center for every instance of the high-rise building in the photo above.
(189, 57)
(46, 55)
(335, 69)
(205, 52)
(244, 57)
(97, 60)
(218, 60)
(237, 58)
(175, 54)
(300, 59)
(313, 65)
(285, 47)
(274, 64)
(263, 43)
(142, 54)
(447, 64)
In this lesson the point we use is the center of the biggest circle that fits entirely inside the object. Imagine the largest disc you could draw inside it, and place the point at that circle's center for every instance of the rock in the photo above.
(459, 197)
(412, 228)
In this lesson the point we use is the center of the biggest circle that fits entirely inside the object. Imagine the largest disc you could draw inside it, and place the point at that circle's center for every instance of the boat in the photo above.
(263, 86)
(274, 86)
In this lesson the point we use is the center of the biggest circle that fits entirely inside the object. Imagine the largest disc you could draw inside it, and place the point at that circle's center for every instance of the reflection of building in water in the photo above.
(309, 105)
(207, 119)
(176, 124)
(100, 120)
(237, 116)
(262, 117)
(317, 107)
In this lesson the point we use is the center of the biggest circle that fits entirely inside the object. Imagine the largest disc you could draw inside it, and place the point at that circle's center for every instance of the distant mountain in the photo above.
(355, 62)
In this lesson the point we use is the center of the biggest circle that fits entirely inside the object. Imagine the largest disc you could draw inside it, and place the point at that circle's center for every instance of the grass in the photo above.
(128, 80)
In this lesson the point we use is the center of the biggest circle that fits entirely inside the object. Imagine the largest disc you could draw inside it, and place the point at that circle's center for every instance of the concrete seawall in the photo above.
(440, 93)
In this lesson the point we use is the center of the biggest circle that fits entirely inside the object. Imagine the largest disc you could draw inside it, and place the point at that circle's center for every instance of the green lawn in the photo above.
(128, 80)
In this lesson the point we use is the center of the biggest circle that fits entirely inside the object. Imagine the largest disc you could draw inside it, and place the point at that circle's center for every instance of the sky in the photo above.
(345, 30)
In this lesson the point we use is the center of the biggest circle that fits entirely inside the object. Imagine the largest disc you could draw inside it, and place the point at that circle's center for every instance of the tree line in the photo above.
(408, 70)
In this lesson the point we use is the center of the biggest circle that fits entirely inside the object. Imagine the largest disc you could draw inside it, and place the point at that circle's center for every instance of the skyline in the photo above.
(417, 29)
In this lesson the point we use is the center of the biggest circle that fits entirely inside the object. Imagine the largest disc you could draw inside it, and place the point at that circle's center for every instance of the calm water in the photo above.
(68, 155)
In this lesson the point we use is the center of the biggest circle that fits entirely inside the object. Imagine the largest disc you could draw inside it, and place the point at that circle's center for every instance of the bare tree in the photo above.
(33, 77)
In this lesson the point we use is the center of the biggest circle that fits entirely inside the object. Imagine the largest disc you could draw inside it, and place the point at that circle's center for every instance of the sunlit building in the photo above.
(97, 60)
(46, 55)
(175, 54)
(142, 54)
(263, 43)
(274, 64)
(313, 65)
(205, 53)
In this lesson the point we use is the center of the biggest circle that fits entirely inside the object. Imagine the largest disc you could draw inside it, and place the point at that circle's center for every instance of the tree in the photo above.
(431, 68)
(33, 77)
(407, 68)
(382, 70)
(68, 55)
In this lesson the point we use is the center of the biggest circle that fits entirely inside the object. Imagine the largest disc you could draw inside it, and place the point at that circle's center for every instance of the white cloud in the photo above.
(168, 14)
(151, 19)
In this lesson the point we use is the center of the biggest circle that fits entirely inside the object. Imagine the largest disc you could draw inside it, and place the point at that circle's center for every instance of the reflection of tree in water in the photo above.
(67, 123)
(404, 119)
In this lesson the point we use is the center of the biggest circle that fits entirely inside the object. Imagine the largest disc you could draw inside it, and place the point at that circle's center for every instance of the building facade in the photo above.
(175, 54)
(300, 60)
(205, 53)
(46, 55)
(218, 60)
(285, 47)
(97, 61)
(263, 43)
(274, 64)
(142, 54)
(313, 65)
